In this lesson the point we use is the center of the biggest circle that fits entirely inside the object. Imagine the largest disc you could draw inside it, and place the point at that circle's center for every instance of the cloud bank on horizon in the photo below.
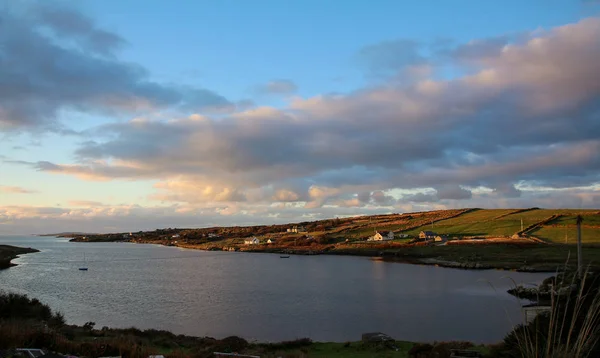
(508, 121)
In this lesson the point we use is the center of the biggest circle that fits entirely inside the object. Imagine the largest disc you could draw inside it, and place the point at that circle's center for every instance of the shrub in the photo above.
(570, 329)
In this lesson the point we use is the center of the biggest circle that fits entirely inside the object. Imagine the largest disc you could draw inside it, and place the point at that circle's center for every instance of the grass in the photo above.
(357, 350)
(570, 328)
(496, 222)
(557, 234)
(533, 256)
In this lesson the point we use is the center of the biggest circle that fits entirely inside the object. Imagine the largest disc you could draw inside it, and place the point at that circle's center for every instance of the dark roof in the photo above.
(429, 233)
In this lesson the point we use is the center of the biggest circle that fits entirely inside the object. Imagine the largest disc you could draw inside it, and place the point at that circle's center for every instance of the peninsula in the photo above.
(8, 253)
(530, 239)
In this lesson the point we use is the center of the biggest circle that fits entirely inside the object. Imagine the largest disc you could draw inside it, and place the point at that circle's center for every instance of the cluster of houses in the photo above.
(255, 241)
(432, 236)
(423, 236)
(297, 229)
(428, 236)
(381, 237)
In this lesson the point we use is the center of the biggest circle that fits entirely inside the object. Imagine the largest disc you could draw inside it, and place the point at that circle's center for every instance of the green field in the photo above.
(475, 223)
(496, 222)
(558, 234)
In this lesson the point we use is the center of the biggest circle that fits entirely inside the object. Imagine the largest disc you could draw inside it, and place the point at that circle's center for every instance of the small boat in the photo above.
(284, 257)
(85, 267)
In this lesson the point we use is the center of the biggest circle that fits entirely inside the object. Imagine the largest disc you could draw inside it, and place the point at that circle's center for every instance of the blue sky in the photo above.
(227, 112)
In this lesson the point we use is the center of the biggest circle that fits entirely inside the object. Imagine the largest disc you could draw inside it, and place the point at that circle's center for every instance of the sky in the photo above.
(124, 116)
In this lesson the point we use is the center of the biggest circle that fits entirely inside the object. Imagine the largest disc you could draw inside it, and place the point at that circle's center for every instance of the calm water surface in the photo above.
(260, 296)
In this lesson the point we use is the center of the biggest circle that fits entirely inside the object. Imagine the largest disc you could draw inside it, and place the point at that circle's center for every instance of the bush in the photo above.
(17, 306)
(571, 328)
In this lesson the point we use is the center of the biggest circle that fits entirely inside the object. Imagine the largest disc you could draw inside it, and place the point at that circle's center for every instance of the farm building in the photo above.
(427, 235)
(252, 241)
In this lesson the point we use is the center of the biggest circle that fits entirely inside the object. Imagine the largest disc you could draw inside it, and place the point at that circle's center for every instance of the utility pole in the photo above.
(579, 254)
(521, 225)
(431, 224)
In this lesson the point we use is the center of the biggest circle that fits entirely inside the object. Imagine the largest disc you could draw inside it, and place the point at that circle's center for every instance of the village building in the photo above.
(271, 241)
(175, 236)
(252, 241)
(212, 235)
(427, 235)
(380, 237)
(296, 229)
(441, 238)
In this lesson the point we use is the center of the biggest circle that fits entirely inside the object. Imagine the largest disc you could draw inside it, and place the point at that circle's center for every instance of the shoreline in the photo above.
(399, 256)
(9, 253)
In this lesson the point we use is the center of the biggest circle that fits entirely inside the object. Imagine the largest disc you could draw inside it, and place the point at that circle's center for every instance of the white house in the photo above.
(212, 235)
(252, 241)
(175, 236)
(271, 241)
(379, 237)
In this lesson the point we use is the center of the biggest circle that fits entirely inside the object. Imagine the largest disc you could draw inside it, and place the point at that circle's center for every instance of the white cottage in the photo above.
(252, 241)
(380, 237)
(271, 241)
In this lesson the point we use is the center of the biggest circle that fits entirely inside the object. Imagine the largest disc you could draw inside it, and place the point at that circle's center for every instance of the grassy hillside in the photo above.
(506, 222)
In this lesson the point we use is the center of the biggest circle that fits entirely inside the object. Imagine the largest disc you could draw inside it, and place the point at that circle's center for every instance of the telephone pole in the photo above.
(521, 225)
(579, 254)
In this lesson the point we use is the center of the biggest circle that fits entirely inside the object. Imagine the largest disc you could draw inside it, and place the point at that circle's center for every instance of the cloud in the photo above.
(84, 203)
(277, 87)
(55, 58)
(16, 190)
(453, 193)
(125, 218)
(526, 111)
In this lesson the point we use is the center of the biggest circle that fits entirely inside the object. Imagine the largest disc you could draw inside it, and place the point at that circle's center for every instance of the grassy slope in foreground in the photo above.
(7, 253)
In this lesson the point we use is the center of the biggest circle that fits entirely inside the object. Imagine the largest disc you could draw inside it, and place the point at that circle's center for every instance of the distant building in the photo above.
(402, 236)
(441, 238)
(427, 235)
(212, 235)
(297, 229)
(379, 237)
(252, 241)
(271, 241)
(176, 236)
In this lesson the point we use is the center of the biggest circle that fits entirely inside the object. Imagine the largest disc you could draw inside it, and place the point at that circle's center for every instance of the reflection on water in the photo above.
(260, 296)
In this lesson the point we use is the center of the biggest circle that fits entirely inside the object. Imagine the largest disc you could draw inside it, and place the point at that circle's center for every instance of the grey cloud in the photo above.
(478, 49)
(278, 87)
(420, 198)
(75, 69)
(453, 193)
(516, 120)
(69, 23)
(507, 190)
(380, 198)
